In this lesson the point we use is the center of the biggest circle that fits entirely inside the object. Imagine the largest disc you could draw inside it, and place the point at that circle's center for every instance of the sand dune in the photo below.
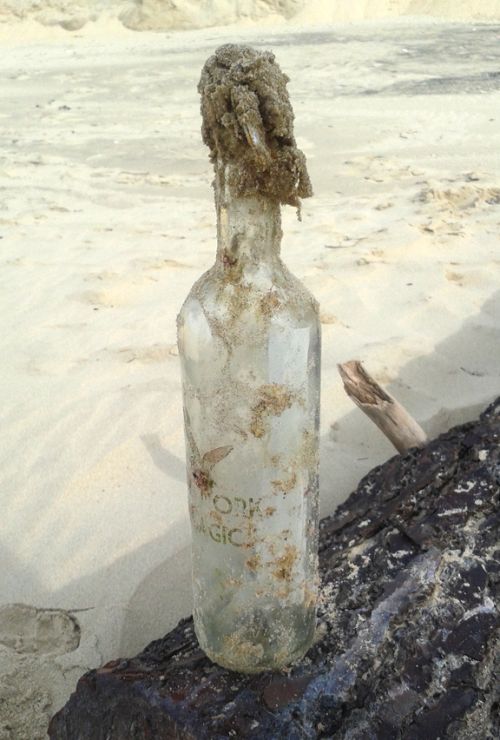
(338, 11)
(166, 15)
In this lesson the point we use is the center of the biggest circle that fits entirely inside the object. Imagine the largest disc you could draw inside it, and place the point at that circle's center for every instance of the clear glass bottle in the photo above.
(249, 345)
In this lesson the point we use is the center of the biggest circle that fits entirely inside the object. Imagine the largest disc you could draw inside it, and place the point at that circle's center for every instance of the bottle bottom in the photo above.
(262, 640)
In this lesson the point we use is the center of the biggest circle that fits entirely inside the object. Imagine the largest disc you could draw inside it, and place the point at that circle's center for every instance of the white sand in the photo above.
(162, 15)
(106, 220)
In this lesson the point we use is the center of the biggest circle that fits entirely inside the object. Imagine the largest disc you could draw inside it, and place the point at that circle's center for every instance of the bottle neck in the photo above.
(248, 227)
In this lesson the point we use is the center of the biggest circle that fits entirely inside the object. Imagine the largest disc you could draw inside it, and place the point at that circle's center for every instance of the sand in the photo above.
(166, 15)
(106, 220)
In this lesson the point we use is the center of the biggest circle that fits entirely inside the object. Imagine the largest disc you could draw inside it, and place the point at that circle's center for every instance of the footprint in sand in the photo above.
(327, 318)
(142, 355)
(147, 355)
(142, 178)
(446, 208)
(378, 169)
(455, 277)
(375, 257)
(114, 290)
(159, 264)
(29, 630)
(105, 298)
(465, 197)
(470, 278)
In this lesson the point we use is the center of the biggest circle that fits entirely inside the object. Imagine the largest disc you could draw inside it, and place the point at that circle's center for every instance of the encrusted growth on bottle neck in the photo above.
(248, 227)
(248, 123)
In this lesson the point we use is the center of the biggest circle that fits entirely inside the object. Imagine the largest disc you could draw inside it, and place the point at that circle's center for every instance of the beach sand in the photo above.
(106, 220)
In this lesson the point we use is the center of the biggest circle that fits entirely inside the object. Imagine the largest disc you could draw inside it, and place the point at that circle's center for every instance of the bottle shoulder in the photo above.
(296, 288)
(272, 292)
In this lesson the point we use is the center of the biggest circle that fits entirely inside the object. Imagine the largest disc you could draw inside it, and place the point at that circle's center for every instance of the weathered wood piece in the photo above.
(408, 631)
(382, 408)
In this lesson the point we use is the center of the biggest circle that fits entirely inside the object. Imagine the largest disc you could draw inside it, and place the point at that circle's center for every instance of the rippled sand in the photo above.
(106, 219)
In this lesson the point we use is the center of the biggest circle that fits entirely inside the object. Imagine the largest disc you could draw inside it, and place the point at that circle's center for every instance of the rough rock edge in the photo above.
(408, 631)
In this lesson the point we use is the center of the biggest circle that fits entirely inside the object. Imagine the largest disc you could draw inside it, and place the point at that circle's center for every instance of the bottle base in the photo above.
(256, 647)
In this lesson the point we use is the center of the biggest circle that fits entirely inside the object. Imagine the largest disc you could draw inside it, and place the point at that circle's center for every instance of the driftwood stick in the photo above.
(387, 413)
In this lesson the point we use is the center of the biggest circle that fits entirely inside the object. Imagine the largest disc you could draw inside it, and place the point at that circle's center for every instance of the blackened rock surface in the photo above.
(408, 635)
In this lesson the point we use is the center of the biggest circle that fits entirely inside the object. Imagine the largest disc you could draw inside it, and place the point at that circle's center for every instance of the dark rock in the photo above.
(471, 636)
(433, 723)
(409, 638)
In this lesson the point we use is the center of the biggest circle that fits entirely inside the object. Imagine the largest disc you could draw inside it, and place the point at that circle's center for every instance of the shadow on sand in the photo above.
(464, 366)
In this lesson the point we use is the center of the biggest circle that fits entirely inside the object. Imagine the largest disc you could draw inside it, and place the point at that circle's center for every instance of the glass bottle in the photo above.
(249, 345)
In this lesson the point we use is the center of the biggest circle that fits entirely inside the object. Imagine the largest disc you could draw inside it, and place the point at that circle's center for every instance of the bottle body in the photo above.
(249, 344)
